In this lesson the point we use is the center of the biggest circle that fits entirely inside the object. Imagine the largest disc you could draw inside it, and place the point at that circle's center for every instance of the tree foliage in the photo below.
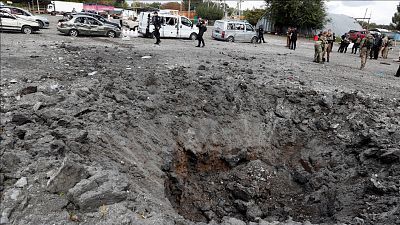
(374, 25)
(209, 11)
(299, 13)
(171, 5)
(193, 4)
(396, 18)
(254, 15)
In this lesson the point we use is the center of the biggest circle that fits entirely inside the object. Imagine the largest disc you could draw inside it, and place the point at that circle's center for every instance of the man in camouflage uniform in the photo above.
(324, 45)
(365, 48)
(386, 43)
(318, 50)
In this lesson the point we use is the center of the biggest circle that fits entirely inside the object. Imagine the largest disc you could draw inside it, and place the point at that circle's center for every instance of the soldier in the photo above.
(318, 49)
(288, 34)
(156, 20)
(385, 47)
(324, 46)
(261, 34)
(365, 48)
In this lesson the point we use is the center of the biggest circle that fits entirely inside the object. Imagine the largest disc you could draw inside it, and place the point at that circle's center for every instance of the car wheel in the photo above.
(111, 34)
(41, 24)
(27, 30)
(193, 36)
(254, 40)
(73, 33)
(230, 39)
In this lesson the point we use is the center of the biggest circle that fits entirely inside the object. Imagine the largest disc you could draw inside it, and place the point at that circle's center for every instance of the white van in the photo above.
(173, 26)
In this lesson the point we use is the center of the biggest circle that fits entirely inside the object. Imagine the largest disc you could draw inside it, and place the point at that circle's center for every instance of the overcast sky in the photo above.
(381, 11)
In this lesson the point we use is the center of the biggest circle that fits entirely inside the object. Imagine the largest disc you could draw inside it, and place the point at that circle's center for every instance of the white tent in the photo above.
(341, 24)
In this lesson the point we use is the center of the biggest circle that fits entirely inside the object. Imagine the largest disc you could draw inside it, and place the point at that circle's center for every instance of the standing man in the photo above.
(293, 39)
(374, 53)
(330, 39)
(156, 20)
(288, 34)
(385, 47)
(356, 44)
(324, 45)
(365, 48)
(318, 49)
(261, 34)
(202, 29)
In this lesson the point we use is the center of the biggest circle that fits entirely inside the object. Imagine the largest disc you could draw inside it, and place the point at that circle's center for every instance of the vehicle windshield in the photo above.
(20, 12)
(249, 27)
(186, 22)
(219, 24)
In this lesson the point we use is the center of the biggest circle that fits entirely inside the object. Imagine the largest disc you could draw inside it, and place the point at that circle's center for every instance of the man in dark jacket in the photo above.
(293, 39)
(261, 34)
(156, 20)
(374, 53)
(202, 29)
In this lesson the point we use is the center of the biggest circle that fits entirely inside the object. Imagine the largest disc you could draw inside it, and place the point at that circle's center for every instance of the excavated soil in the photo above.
(92, 132)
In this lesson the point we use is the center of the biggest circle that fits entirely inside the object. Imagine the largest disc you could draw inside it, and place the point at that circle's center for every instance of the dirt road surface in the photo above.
(94, 131)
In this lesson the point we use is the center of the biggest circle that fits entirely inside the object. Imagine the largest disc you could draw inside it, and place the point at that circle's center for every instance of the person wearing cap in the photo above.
(156, 20)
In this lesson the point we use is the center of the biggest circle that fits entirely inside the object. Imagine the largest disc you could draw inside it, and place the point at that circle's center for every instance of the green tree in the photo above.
(209, 11)
(193, 4)
(254, 15)
(396, 18)
(299, 13)
(171, 5)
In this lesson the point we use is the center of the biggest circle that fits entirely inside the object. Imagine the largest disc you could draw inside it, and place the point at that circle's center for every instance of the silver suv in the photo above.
(231, 30)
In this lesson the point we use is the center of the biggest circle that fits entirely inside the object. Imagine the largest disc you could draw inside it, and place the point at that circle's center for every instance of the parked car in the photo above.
(98, 17)
(353, 34)
(15, 23)
(87, 25)
(21, 13)
(228, 30)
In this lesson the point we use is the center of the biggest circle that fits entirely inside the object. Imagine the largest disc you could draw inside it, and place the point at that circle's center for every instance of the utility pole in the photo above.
(370, 14)
(38, 9)
(225, 14)
(365, 14)
(189, 10)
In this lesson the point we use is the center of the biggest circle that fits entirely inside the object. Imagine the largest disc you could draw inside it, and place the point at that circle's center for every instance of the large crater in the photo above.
(305, 155)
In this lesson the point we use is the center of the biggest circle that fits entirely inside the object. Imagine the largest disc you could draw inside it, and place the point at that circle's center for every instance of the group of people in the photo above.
(291, 38)
(323, 46)
(379, 46)
(370, 45)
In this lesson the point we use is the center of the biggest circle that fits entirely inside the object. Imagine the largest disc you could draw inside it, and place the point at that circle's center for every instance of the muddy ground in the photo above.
(233, 133)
